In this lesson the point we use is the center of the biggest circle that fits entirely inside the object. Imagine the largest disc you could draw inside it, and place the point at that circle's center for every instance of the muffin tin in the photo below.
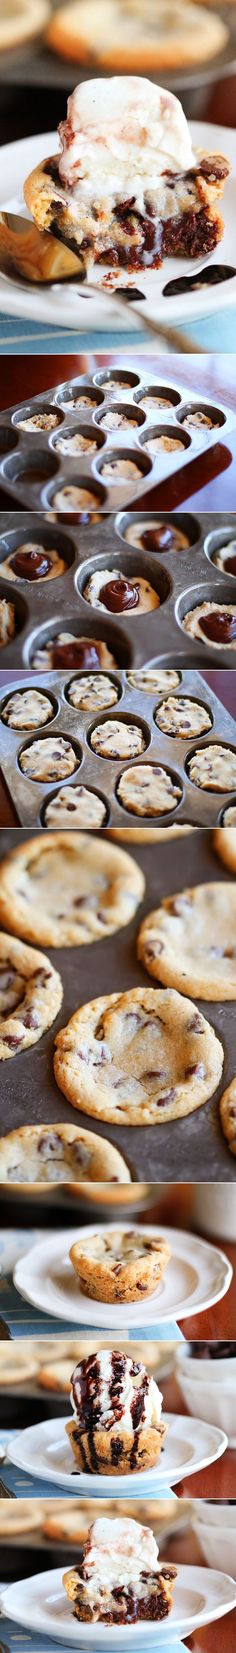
(45, 607)
(101, 775)
(31, 469)
(187, 1150)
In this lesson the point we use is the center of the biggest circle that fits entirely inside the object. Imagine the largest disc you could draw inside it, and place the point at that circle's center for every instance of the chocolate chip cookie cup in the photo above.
(119, 1267)
(120, 1579)
(117, 1426)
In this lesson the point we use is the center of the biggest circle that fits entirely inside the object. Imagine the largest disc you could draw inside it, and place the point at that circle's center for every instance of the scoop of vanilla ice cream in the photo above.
(102, 1376)
(120, 136)
(118, 1551)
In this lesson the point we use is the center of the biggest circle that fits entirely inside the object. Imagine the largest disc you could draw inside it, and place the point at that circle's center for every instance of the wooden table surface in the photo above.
(207, 483)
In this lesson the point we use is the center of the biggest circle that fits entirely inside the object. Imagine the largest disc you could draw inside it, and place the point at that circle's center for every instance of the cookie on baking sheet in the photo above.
(189, 942)
(117, 1266)
(135, 1058)
(20, 21)
(68, 889)
(138, 37)
(30, 995)
(148, 835)
(59, 1153)
(224, 841)
(228, 1115)
(23, 1515)
(67, 1526)
(17, 1365)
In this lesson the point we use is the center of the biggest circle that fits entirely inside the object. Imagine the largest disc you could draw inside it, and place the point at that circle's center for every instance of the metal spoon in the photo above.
(37, 258)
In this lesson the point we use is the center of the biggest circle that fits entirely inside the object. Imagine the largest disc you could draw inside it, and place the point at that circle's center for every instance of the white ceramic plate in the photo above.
(41, 1605)
(196, 1277)
(63, 306)
(45, 1450)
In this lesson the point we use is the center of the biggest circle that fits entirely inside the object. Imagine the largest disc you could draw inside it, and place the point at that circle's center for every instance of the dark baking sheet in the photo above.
(182, 578)
(200, 808)
(35, 65)
(31, 468)
(189, 1150)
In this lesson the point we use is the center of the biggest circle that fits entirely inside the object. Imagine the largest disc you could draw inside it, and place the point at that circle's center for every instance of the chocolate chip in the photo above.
(196, 1072)
(31, 1019)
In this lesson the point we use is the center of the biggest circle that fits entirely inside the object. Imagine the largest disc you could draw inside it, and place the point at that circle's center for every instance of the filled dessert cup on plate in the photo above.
(119, 1266)
(117, 1426)
(126, 187)
(120, 1579)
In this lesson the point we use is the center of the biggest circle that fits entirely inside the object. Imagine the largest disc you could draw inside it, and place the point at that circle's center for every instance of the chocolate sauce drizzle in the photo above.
(86, 1390)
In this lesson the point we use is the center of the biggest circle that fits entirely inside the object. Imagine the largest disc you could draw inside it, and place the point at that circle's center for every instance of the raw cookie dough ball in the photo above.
(152, 681)
(162, 443)
(72, 497)
(27, 709)
(213, 623)
(75, 806)
(114, 419)
(213, 768)
(116, 739)
(121, 470)
(183, 718)
(68, 889)
(112, 591)
(39, 421)
(49, 760)
(152, 535)
(65, 650)
(148, 789)
(154, 399)
(200, 421)
(31, 561)
(87, 693)
(228, 1115)
(145, 1062)
(188, 942)
(7, 622)
(76, 442)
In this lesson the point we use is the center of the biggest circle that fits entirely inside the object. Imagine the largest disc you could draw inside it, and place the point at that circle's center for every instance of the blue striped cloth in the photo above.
(25, 1641)
(20, 337)
(23, 1320)
(23, 1485)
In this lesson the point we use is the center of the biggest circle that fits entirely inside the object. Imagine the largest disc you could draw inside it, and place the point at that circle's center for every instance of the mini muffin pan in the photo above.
(101, 775)
(192, 1149)
(32, 469)
(182, 579)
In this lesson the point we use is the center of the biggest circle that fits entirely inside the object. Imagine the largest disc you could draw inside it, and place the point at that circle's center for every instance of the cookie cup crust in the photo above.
(149, 1443)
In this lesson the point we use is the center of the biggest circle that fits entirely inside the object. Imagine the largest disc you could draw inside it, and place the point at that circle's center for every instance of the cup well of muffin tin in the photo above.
(102, 775)
(192, 1149)
(46, 607)
(32, 469)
